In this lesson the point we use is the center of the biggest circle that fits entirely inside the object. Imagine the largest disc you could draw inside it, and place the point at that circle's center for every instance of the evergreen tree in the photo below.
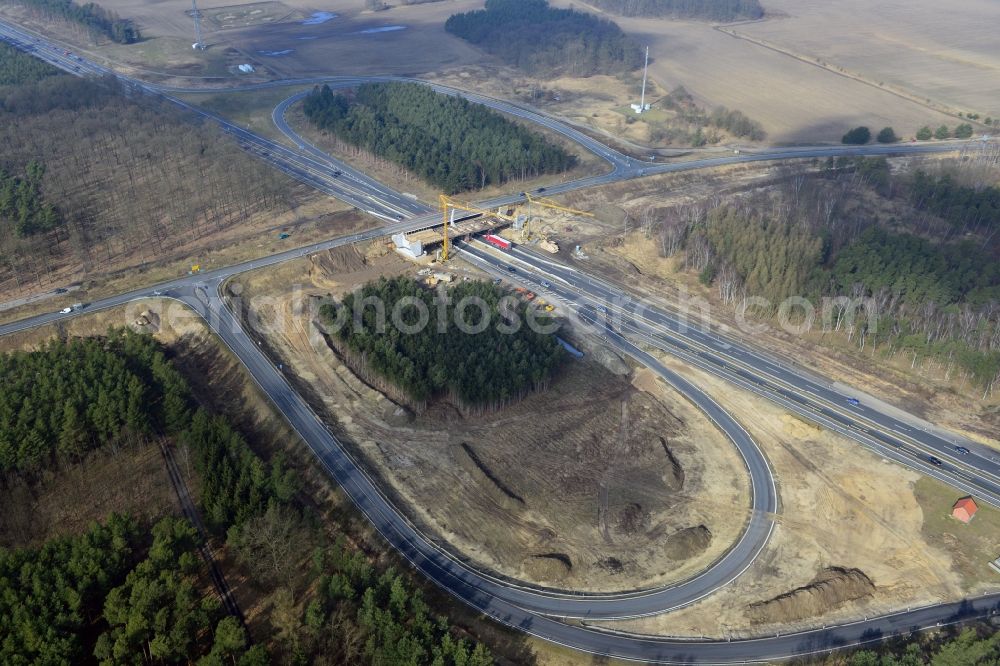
(887, 135)
(73, 439)
(857, 136)
(454, 144)
(531, 35)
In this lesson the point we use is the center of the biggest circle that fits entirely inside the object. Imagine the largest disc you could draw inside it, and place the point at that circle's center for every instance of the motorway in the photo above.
(538, 611)
(976, 472)
(528, 609)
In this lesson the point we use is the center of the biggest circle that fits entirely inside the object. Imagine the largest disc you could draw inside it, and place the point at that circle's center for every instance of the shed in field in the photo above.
(964, 509)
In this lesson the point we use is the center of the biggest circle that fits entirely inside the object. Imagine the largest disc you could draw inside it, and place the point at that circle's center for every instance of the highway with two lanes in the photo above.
(532, 610)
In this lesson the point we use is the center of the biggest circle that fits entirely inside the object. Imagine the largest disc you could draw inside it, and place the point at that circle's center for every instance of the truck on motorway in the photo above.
(76, 307)
(497, 241)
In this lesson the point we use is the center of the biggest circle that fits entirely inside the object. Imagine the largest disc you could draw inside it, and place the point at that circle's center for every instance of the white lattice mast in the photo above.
(196, 15)
(641, 106)
(645, 70)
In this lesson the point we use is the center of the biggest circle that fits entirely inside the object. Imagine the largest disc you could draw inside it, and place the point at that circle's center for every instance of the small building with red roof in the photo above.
(964, 509)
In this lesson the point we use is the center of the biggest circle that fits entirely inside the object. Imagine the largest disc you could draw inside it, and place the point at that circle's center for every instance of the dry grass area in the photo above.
(597, 104)
(251, 109)
(608, 480)
(282, 42)
(944, 55)
(972, 546)
(856, 535)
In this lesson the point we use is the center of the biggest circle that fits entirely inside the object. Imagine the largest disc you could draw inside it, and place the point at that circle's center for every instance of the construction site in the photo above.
(522, 222)
(629, 485)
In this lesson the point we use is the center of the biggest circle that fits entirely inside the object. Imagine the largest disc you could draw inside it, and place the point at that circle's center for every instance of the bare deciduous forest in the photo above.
(132, 178)
(927, 272)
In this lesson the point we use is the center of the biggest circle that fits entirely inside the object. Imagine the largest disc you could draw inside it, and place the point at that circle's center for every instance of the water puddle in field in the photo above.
(276, 54)
(318, 18)
(385, 28)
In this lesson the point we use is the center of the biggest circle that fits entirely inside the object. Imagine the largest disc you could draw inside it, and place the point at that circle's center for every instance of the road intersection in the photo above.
(538, 611)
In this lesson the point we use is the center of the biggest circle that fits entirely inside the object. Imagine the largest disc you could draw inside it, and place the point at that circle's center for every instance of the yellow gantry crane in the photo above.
(548, 203)
(448, 204)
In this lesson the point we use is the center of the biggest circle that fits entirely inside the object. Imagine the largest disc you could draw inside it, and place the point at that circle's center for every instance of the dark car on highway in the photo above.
(934, 460)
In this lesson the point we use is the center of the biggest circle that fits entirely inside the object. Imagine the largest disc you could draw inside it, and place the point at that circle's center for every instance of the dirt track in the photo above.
(842, 508)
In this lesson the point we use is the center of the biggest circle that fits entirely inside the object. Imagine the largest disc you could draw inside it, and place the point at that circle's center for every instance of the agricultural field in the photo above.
(806, 73)
(795, 101)
(947, 54)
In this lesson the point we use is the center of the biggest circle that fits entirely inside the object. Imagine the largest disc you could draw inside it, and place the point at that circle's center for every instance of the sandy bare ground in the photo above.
(606, 481)
(842, 507)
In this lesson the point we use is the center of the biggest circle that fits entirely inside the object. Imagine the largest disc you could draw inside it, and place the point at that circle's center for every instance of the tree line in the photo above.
(236, 484)
(543, 41)
(488, 369)
(399, 625)
(974, 645)
(98, 20)
(118, 593)
(22, 204)
(16, 67)
(931, 277)
(68, 398)
(133, 179)
(961, 131)
(453, 143)
(706, 10)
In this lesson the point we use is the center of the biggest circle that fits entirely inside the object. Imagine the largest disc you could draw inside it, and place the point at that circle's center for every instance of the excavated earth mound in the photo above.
(832, 587)
(687, 543)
